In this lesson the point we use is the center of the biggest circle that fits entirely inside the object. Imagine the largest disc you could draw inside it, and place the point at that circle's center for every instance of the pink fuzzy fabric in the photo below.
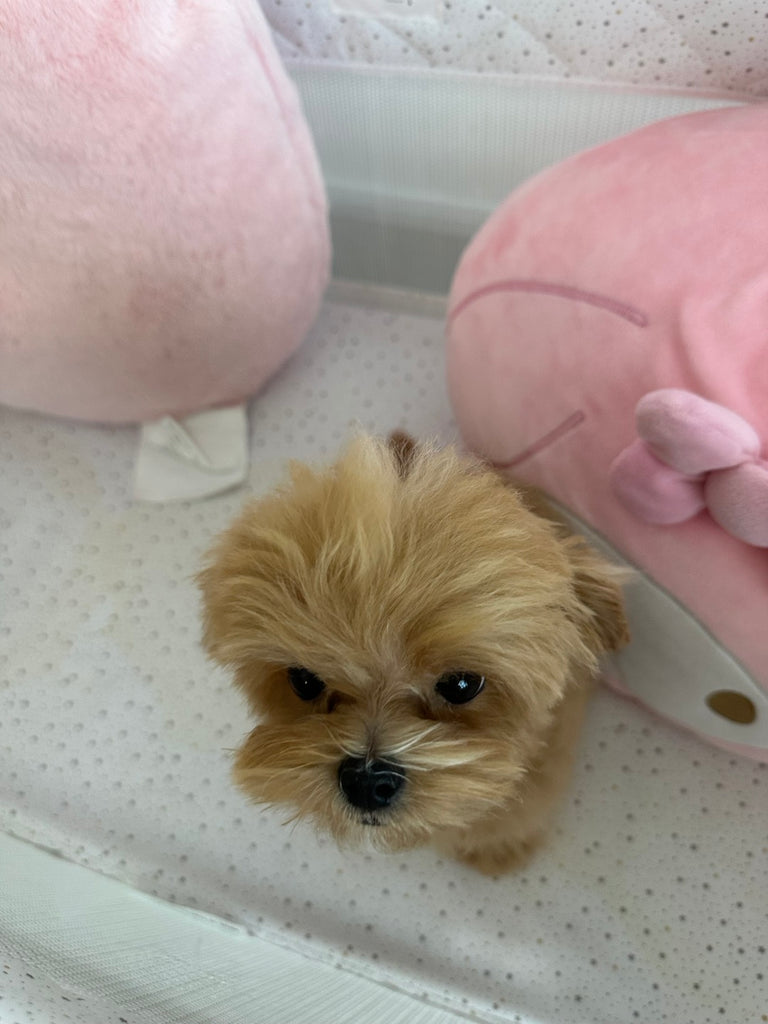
(692, 434)
(634, 268)
(164, 244)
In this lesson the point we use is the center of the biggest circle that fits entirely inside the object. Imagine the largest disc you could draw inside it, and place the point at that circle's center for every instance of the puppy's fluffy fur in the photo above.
(397, 565)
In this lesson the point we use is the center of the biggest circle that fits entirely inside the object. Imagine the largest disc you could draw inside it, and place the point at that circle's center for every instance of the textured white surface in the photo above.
(679, 43)
(28, 997)
(83, 948)
(403, 9)
(649, 905)
(415, 162)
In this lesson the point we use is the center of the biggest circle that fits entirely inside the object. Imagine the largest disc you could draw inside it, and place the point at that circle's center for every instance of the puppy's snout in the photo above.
(370, 785)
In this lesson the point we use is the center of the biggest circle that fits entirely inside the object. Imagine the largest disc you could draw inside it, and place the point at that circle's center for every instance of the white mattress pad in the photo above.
(649, 904)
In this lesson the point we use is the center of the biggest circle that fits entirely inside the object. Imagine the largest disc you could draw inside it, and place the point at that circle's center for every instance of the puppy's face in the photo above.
(404, 628)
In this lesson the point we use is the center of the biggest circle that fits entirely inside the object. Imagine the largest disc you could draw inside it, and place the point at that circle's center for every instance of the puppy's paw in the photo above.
(501, 858)
(496, 855)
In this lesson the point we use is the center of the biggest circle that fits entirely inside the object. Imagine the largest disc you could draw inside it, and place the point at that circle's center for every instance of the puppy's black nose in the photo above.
(370, 785)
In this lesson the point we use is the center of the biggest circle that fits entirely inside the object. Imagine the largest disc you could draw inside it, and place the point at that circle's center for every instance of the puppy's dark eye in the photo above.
(459, 687)
(306, 685)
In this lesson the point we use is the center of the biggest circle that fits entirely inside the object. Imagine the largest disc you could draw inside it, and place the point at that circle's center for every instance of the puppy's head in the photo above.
(404, 627)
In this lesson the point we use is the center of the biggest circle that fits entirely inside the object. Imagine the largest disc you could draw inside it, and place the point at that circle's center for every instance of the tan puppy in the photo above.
(418, 644)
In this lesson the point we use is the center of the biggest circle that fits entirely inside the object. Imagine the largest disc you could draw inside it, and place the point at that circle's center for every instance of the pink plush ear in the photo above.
(693, 435)
(652, 491)
(738, 500)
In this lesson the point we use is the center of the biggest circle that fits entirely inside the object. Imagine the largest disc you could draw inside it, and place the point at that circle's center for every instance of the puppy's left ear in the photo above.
(598, 588)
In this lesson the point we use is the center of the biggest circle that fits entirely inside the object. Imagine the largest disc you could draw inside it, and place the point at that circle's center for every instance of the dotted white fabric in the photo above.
(649, 905)
(681, 43)
(33, 998)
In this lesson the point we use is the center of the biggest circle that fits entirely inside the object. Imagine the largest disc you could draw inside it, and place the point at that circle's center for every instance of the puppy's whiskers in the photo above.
(338, 743)
(446, 754)
(397, 749)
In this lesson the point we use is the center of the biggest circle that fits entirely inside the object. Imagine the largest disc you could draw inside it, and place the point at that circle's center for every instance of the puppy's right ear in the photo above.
(598, 587)
(403, 448)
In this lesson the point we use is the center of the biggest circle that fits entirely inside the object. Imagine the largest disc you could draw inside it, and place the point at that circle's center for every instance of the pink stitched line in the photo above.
(560, 291)
(572, 421)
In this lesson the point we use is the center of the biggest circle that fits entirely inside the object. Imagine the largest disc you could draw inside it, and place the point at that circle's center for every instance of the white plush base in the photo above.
(648, 905)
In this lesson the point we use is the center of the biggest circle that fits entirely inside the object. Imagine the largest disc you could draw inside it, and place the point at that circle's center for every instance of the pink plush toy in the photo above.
(608, 342)
(164, 243)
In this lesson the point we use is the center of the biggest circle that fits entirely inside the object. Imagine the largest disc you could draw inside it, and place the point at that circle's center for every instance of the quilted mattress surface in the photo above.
(115, 735)
(683, 44)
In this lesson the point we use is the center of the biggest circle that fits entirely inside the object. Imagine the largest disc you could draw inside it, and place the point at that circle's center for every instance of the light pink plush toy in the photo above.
(163, 238)
(608, 341)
